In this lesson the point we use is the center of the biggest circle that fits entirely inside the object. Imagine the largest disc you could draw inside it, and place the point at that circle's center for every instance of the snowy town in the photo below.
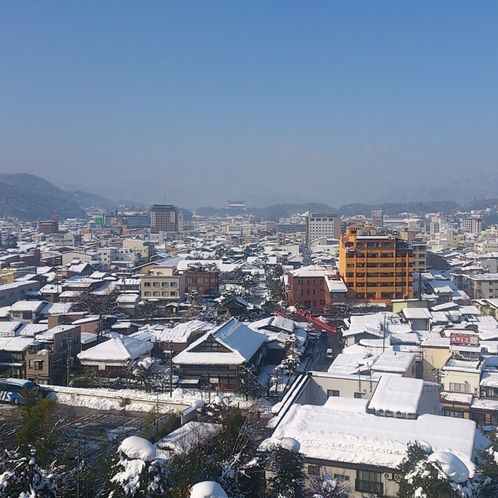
(144, 354)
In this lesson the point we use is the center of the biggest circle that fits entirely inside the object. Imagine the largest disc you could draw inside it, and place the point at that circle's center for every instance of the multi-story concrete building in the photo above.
(471, 224)
(419, 250)
(322, 225)
(314, 288)
(378, 218)
(375, 266)
(202, 280)
(485, 246)
(49, 226)
(165, 218)
(483, 286)
(162, 284)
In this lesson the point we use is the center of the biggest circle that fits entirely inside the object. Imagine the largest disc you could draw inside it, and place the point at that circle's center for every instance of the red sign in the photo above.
(464, 339)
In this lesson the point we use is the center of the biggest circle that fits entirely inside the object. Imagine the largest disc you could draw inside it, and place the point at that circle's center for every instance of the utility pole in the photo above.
(170, 369)
(69, 341)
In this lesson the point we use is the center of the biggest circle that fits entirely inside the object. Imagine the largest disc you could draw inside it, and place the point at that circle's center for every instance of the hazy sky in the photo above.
(196, 102)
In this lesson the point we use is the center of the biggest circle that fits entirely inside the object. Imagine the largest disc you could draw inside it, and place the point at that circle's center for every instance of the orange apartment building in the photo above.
(375, 266)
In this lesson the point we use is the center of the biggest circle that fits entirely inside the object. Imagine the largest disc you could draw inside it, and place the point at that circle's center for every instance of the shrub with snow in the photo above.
(137, 469)
(207, 489)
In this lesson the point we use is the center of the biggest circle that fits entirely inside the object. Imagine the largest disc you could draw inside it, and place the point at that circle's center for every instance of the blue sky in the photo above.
(194, 103)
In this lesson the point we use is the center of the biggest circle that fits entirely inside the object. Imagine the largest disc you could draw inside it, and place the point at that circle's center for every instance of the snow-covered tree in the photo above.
(433, 474)
(286, 466)
(248, 383)
(488, 468)
(207, 489)
(138, 472)
(21, 477)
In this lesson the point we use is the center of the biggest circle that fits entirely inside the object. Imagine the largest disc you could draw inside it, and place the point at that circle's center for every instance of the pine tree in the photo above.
(137, 471)
(248, 383)
(287, 469)
(422, 476)
(487, 469)
(20, 476)
(38, 431)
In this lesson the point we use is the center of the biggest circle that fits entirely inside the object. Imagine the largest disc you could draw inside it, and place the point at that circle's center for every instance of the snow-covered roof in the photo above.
(32, 329)
(416, 313)
(436, 342)
(183, 439)
(351, 363)
(242, 343)
(32, 306)
(57, 308)
(469, 310)
(463, 365)
(118, 349)
(393, 361)
(9, 329)
(274, 322)
(180, 333)
(452, 397)
(342, 431)
(397, 394)
(489, 379)
(15, 343)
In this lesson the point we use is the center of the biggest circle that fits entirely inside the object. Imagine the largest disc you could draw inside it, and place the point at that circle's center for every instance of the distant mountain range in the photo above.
(29, 197)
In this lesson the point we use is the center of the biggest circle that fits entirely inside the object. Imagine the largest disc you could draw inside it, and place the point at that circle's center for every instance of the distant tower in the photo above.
(378, 218)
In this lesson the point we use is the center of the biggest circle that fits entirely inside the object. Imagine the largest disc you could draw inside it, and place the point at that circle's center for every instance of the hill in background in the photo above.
(29, 197)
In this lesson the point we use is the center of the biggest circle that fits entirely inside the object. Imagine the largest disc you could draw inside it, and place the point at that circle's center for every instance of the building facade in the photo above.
(162, 284)
(375, 266)
(165, 218)
(322, 225)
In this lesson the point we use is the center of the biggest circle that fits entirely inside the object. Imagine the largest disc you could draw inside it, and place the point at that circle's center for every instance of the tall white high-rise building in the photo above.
(322, 226)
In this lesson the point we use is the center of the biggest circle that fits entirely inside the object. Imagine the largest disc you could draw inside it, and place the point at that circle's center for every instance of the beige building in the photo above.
(319, 226)
(435, 353)
(484, 286)
(163, 284)
(141, 247)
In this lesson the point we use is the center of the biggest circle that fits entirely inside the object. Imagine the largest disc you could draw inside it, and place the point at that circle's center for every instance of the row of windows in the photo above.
(366, 481)
(163, 293)
(161, 284)
(383, 295)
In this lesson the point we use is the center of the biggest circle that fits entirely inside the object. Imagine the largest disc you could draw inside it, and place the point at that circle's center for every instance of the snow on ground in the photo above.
(139, 401)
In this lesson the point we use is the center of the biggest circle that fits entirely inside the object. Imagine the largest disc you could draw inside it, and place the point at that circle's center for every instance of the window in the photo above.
(172, 293)
(314, 470)
(165, 284)
(460, 387)
(173, 284)
(333, 393)
(452, 413)
(155, 284)
(341, 477)
(146, 284)
(147, 293)
(155, 293)
(358, 395)
(164, 293)
(369, 482)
